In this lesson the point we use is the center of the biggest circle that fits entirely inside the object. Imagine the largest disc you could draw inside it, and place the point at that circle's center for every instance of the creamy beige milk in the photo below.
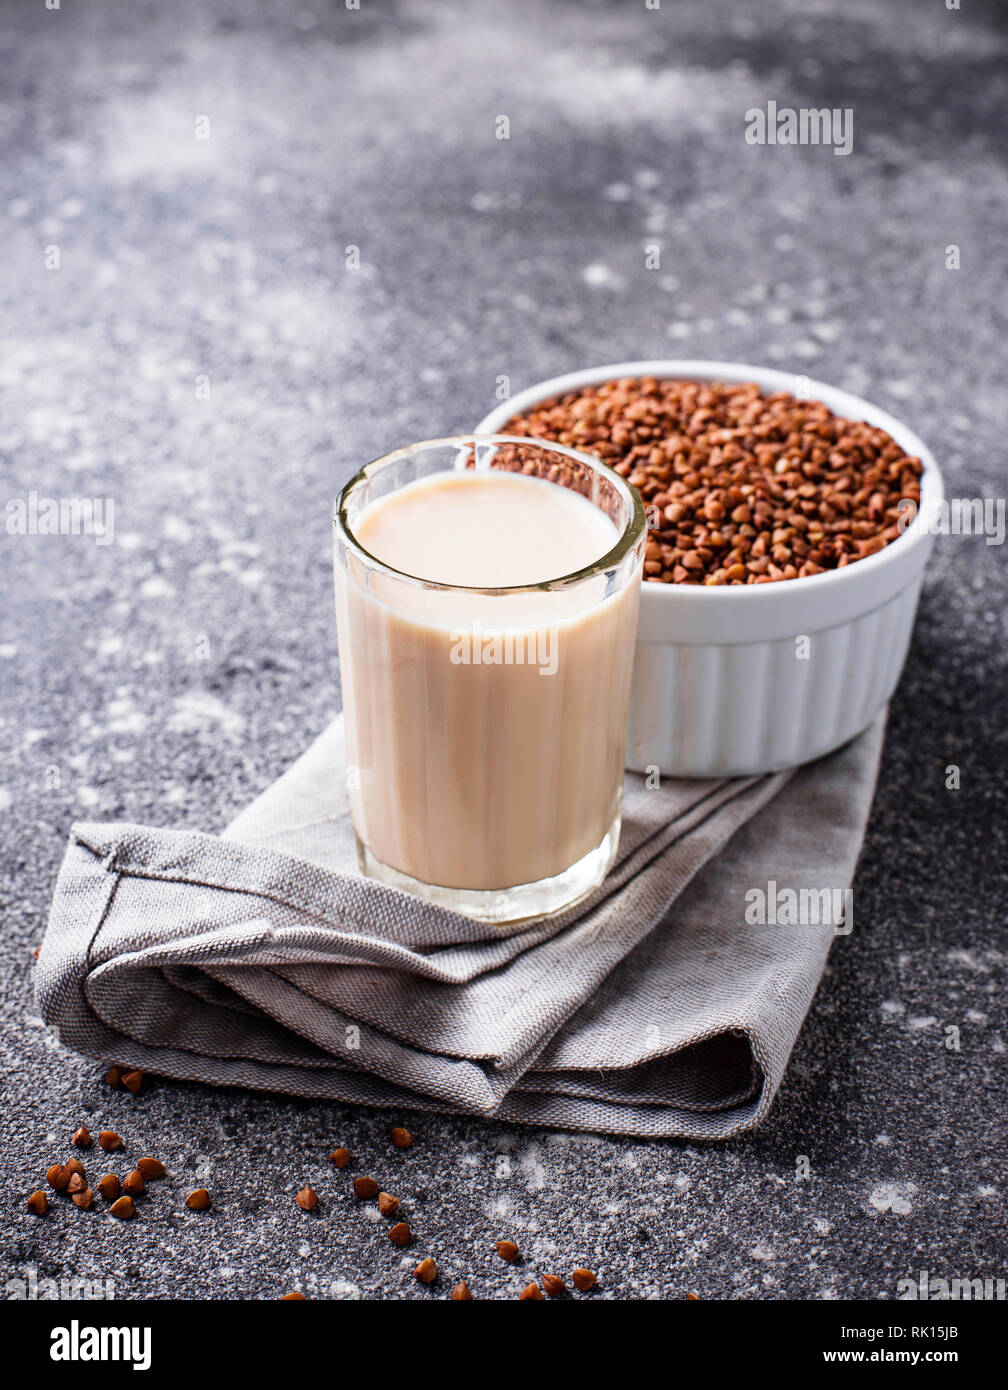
(486, 733)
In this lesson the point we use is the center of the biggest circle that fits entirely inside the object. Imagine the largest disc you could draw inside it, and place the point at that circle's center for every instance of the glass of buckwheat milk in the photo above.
(486, 599)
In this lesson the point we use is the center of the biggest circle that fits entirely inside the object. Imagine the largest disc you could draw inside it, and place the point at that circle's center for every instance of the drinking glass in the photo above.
(486, 727)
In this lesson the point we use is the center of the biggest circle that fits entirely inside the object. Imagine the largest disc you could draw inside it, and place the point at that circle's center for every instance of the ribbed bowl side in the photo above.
(723, 709)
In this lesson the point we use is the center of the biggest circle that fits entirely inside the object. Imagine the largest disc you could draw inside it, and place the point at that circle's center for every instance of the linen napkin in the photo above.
(659, 1006)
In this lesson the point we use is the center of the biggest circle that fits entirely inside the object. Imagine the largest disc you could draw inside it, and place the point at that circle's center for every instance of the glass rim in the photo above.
(635, 528)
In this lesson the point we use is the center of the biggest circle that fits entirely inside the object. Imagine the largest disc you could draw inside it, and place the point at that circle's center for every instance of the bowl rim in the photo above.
(842, 403)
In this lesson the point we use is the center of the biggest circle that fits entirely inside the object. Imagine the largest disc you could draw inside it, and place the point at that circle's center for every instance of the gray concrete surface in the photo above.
(170, 676)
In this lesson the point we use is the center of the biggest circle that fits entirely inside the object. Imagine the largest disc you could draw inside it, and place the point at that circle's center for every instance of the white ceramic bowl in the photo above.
(720, 687)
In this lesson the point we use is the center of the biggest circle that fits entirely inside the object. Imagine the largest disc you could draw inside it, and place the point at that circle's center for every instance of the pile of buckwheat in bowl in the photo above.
(739, 487)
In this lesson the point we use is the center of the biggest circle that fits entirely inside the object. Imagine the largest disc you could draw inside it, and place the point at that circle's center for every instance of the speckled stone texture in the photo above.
(169, 677)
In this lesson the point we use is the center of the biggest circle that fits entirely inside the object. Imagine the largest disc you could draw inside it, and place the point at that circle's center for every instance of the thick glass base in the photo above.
(507, 906)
